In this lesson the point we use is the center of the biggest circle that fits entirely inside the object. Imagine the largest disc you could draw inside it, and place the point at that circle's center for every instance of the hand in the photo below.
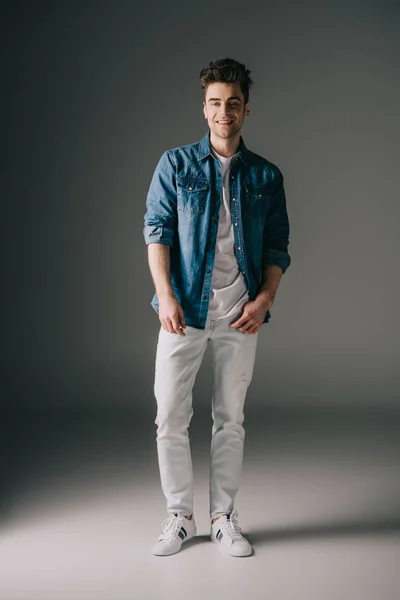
(253, 315)
(171, 315)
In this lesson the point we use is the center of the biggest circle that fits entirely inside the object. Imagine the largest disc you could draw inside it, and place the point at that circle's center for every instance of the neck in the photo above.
(225, 147)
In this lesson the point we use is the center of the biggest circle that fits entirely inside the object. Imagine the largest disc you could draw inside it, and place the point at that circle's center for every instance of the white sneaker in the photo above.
(226, 532)
(174, 531)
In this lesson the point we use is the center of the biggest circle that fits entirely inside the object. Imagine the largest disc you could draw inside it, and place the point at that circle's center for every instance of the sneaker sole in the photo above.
(226, 552)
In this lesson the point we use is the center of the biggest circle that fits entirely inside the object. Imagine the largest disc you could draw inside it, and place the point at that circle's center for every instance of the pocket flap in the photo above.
(257, 190)
(193, 184)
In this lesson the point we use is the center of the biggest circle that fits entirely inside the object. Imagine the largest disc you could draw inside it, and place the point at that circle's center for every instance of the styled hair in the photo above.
(227, 70)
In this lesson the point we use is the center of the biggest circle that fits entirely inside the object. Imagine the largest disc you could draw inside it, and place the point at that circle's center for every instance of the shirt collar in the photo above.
(205, 149)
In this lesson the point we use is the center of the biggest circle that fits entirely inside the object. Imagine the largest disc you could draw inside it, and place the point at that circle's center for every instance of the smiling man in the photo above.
(217, 231)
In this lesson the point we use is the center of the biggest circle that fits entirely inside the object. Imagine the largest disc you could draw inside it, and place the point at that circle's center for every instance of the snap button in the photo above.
(190, 188)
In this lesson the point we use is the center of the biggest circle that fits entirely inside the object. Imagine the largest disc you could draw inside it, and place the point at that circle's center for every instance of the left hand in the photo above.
(253, 315)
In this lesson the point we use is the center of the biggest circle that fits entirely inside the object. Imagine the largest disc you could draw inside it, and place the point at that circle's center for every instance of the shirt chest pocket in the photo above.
(256, 201)
(192, 194)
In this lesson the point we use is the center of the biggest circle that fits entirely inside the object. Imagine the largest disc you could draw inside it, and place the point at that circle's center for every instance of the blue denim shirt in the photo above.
(183, 205)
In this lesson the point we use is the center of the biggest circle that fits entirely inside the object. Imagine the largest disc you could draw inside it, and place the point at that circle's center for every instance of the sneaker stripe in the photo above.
(182, 533)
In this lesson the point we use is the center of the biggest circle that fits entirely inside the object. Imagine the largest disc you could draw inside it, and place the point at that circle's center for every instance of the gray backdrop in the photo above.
(95, 92)
(92, 94)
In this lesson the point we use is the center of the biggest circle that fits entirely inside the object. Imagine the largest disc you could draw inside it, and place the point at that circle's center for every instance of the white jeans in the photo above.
(178, 360)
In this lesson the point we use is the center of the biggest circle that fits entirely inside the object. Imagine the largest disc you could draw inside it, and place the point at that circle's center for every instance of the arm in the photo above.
(161, 218)
(160, 223)
(159, 263)
(275, 258)
(271, 278)
(170, 311)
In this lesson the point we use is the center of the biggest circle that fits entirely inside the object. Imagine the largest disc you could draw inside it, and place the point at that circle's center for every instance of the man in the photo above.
(217, 231)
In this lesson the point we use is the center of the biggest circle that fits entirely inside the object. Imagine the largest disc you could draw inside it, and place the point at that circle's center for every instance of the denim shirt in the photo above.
(183, 205)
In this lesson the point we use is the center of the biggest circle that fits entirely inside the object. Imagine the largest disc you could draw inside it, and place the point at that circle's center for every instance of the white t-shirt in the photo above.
(228, 285)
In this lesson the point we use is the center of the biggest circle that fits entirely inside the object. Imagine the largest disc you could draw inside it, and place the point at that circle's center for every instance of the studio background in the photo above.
(93, 94)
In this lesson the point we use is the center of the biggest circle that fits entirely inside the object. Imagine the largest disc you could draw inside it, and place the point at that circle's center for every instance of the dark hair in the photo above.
(227, 70)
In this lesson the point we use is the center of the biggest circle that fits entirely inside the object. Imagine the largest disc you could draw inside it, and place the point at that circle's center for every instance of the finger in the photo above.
(168, 325)
(176, 327)
(246, 326)
(182, 319)
(251, 326)
(253, 330)
(239, 322)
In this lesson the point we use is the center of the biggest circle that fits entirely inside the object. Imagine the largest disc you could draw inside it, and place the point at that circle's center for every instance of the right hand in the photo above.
(171, 315)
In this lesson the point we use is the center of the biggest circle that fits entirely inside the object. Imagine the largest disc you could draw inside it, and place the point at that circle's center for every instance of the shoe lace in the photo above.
(170, 527)
(232, 527)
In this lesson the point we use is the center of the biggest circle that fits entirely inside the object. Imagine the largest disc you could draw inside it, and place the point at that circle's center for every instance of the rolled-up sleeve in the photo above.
(160, 218)
(276, 230)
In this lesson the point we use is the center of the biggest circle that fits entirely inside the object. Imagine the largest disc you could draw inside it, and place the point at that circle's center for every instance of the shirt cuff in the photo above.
(277, 257)
(158, 234)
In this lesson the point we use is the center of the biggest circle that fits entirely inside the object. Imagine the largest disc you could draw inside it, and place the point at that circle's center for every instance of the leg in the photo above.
(178, 360)
(233, 363)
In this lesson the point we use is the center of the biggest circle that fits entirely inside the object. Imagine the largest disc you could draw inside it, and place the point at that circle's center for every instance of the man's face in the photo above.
(224, 109)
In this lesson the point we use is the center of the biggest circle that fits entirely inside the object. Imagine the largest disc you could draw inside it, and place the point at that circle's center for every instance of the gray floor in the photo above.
(319, 500)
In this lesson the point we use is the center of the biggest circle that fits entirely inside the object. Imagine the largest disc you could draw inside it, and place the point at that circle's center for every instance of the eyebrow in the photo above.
(231, 98)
